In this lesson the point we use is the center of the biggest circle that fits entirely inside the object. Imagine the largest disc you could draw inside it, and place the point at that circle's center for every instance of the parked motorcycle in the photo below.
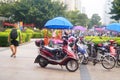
(80, 48)
(91, 49)
(104, 56)
(57, 56)
(115, 51)
(118, 55)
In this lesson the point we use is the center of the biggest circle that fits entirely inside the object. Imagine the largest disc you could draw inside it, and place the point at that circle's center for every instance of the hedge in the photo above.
(4, 39)
(29, 33)
(38, 35)
(97, 39)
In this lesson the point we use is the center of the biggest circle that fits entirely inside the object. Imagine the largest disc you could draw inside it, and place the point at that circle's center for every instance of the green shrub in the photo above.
(4, 39)
(38, 35)
(97, 39)
(28, 37)
(24, 35)
(7, 30)
(29, 32)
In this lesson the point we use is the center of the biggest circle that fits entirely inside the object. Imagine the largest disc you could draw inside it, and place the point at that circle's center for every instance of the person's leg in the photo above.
(12, 49)
(16, 43)
(15, 50)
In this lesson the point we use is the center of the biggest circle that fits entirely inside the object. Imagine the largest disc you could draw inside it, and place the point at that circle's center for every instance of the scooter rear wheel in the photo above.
(43, 62)
(72, 65)
(108, 62)
(118, 62)
(118, 57)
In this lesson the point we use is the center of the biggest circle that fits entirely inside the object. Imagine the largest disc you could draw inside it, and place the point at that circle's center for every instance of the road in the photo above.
(23, 67)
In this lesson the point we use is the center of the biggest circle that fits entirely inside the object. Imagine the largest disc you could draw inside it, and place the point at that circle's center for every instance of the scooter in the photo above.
(57, 56)
(80, 48)
(105, 56)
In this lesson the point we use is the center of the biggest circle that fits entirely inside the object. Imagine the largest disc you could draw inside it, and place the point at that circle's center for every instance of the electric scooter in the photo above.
(57, 56)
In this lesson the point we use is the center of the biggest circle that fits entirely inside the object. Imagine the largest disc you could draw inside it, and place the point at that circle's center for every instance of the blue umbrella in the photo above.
(113, 27)
(58, 23)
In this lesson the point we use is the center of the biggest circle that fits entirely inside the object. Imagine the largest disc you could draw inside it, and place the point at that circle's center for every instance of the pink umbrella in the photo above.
(57, 41)
(100, 29)
(81, 28)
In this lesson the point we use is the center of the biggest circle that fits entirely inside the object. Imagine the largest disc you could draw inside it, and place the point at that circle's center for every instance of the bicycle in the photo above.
(107, 60)
(118, 55)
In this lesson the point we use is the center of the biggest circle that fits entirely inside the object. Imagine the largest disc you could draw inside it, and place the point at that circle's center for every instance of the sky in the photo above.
(93, 7)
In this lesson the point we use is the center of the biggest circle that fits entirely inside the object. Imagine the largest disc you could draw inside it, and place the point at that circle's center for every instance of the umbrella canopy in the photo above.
(81, 28)
(113, 27)
(58, 23)
(100, 29)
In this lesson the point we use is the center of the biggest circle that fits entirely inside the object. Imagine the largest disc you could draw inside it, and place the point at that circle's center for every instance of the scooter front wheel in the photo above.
(43, 62)
(83, 59)
(72, 65)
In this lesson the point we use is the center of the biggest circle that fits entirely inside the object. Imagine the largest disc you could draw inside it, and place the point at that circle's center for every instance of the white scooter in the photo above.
(81, 50)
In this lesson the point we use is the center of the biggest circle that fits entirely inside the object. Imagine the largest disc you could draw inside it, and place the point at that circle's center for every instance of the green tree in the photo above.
(5, 9)
(115, 10)
(95, 20)
(77, 18)
(72, 16)
(34, 11)
(83, 19)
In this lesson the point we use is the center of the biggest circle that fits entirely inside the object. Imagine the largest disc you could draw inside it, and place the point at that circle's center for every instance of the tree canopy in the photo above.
(115, 10)
(39, 12)
(32, 11)
(95, 20)
(77, 18)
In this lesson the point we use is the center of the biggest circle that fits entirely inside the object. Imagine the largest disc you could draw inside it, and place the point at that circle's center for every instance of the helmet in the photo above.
(112, 41)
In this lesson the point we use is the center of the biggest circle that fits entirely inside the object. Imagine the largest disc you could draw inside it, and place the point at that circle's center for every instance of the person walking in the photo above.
(14, 38)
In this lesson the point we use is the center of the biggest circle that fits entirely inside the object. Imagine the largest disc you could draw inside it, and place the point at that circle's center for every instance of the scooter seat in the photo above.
(51, 49)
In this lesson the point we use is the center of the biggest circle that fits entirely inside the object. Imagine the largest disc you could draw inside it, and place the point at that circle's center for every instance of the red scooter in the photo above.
(62, 56)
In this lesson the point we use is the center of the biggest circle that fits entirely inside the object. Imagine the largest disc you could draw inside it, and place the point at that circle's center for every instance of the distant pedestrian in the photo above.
(14, 39)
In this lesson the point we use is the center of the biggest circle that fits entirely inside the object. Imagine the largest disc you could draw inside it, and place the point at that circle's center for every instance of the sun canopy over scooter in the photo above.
(58, 23)
(113, 27)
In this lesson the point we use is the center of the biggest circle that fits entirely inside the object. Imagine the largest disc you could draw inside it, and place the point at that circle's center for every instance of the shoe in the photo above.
(95, 62)
(12, 55)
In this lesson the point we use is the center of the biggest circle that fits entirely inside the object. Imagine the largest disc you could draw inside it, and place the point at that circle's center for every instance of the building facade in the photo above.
(106, 16)
(72, 4)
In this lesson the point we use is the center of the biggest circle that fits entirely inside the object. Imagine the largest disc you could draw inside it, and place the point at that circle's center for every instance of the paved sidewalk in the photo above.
(23, 67)
(99, 73)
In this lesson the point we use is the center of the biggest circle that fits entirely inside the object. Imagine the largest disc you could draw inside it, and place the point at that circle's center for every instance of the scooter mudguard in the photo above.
(112, 51)
(37, 59)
